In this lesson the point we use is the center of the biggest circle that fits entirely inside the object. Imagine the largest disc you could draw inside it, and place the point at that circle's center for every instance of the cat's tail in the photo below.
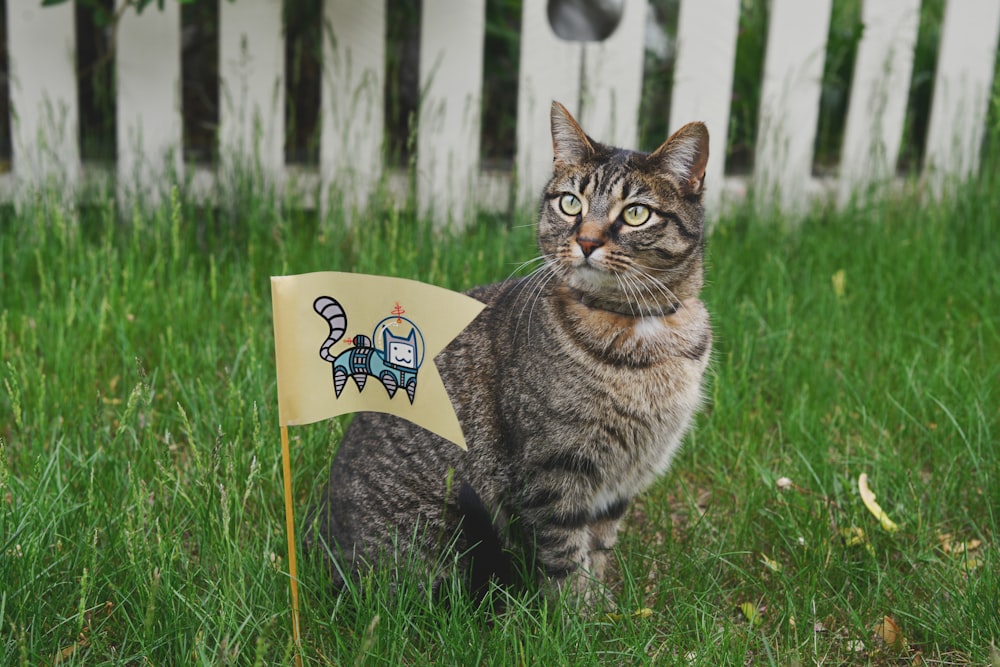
(331, 311)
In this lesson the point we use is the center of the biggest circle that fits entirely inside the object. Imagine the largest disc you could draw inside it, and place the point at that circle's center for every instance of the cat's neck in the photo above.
(632, 340)
(629, 310)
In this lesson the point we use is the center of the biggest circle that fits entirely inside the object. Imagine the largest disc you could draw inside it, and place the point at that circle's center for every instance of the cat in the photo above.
(395, 365)
(574, 388)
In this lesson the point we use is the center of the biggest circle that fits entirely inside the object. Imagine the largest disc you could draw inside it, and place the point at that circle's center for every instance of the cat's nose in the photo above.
(589, 245)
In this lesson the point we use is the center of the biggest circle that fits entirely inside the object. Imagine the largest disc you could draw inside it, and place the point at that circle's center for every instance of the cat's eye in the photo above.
(570, 204)
(635, 215)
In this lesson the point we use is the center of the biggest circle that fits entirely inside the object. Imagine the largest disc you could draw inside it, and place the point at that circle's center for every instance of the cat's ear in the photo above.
(684, 155)
(570, 144)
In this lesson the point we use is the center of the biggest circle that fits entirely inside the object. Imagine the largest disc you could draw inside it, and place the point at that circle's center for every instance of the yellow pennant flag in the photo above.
(347, 342)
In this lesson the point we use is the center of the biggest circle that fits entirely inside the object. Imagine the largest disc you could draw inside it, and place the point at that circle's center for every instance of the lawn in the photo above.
(141, 507)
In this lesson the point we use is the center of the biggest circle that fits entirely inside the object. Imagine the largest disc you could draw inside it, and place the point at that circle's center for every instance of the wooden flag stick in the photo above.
(293, 580)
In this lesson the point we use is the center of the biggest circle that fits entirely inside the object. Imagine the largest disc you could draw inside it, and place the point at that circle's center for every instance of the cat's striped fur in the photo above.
(574, 387)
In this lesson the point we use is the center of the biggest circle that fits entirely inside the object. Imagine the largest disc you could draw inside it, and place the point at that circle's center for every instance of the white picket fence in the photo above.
(599, 82)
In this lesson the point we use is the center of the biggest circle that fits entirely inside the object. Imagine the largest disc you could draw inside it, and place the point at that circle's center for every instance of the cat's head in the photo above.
(624, 229)
(399, 350)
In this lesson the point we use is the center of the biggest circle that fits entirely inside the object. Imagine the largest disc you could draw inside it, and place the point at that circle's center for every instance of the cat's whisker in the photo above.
(654, 282)
(624, 289)
(628, 289)
(528, 283)
(554, 272)
(638, 291)
(651, 300)
(535, 284)
(641, 291)
(648, 272)
(523, 265)
(648, 298)
(531, 224)
(543, 261)
(656, 290)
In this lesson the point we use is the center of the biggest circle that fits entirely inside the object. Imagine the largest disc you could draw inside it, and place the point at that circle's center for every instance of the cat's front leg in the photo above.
(591, 583)
(603, 535)
(574, 558)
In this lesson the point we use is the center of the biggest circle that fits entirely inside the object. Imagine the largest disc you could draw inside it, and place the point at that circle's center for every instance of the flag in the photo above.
(347, 342)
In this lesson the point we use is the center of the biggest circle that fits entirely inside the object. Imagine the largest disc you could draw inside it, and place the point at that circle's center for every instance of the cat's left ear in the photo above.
(684, 155)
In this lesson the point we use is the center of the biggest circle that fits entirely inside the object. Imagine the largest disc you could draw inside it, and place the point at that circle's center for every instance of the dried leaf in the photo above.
(750, 613)
(970, 564)
(770, 563)
(66, 653)
(854, 536)
(966, 547)
(855, 645)
(868, 498)
(645, 612)
(839, 280)
(961, 550)
(888, 631)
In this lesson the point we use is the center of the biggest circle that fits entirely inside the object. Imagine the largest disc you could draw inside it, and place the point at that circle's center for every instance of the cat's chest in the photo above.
(643, 403)
(631, 465)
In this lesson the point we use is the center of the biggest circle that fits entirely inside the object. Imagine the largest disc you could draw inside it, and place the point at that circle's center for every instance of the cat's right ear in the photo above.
(570, 144)
(684, 155)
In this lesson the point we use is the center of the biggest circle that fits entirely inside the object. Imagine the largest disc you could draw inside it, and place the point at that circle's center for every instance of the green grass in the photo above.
(141, 510)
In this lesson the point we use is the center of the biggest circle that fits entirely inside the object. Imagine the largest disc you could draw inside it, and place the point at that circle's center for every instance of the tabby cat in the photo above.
(574, 387)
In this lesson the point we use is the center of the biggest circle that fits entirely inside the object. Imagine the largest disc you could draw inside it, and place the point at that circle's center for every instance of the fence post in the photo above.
(789, 106)
(352, 112)
(879, 91)
(451, 78)
(703, 80)
(961, 90)
(43, 94)
(611, 86)
(549, 70)
(150, 136)
(252, 87)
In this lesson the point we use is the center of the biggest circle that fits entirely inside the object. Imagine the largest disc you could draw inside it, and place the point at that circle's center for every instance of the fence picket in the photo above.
(150, 126)
(451, 76)
(789, 106)
(703, 79)
(251, 85)
(879, 90)
(612, 79)
(961, 89)
(550, 70)
(43, 93)
(352, 97)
